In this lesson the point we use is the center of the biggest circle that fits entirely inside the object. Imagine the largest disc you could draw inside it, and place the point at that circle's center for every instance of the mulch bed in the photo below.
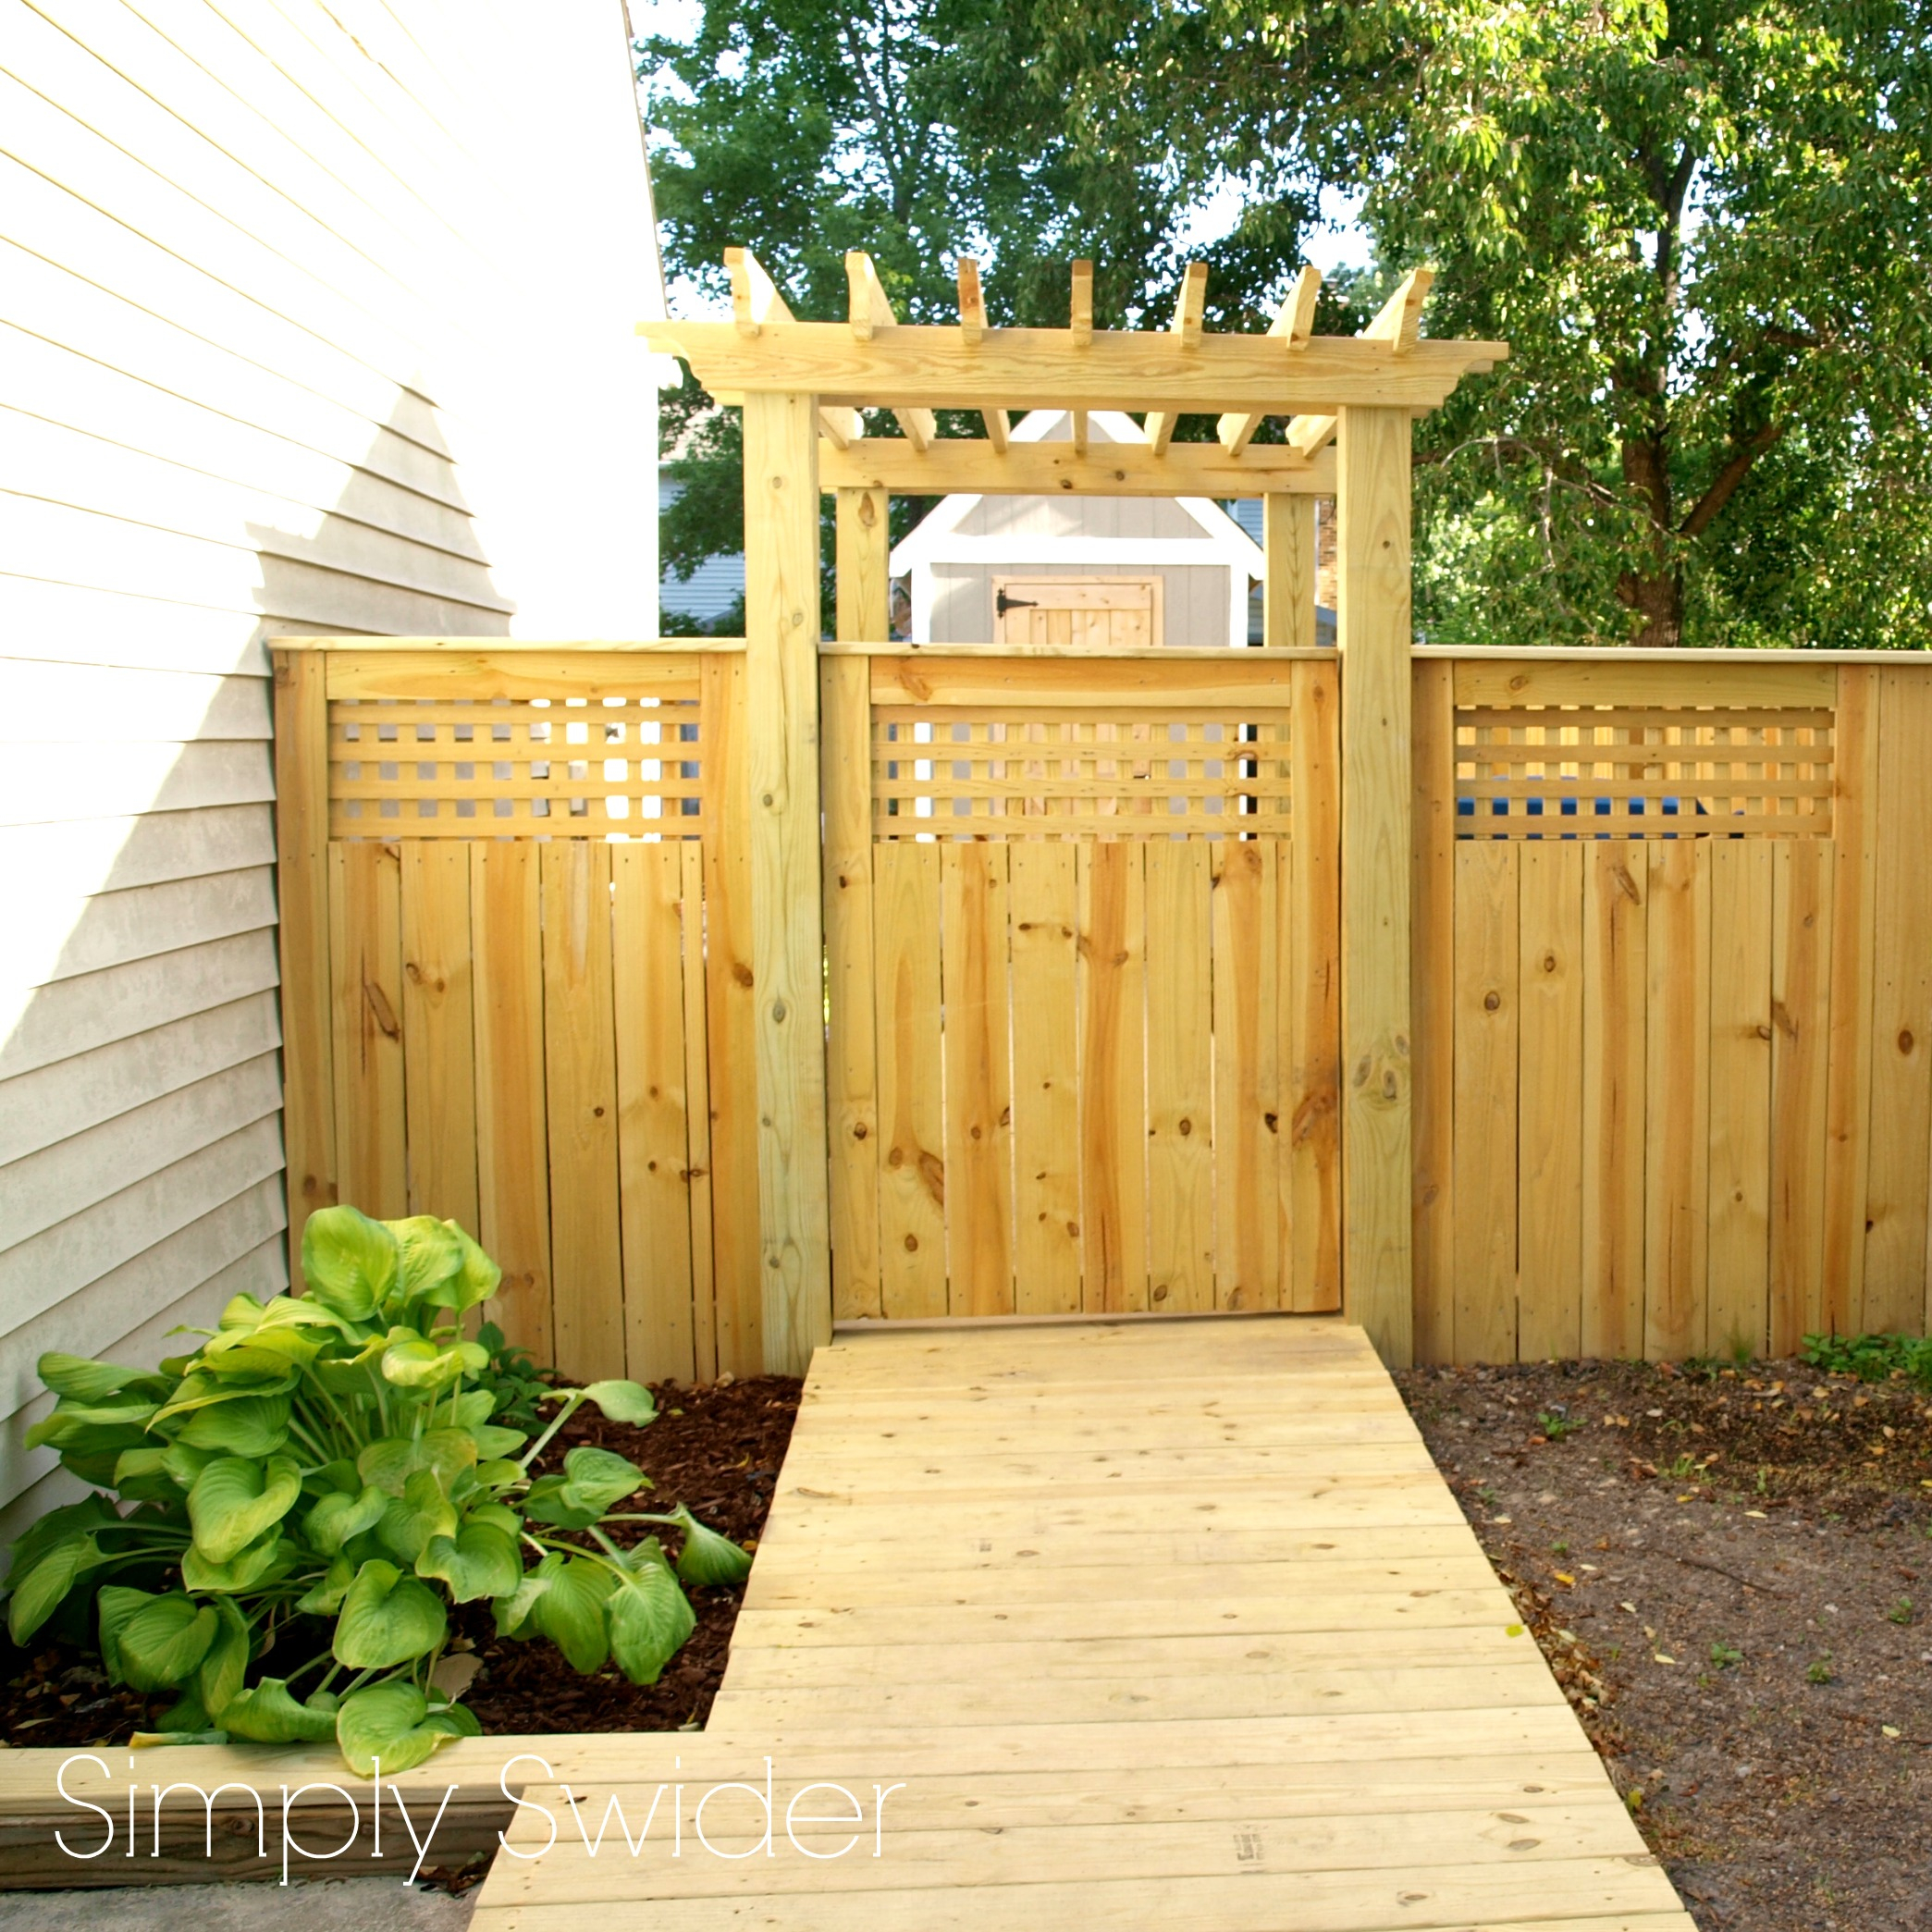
(715, 1449)
(1731, 1572)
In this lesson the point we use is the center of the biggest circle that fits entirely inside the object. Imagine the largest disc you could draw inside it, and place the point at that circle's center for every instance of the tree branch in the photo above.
(1703, 514)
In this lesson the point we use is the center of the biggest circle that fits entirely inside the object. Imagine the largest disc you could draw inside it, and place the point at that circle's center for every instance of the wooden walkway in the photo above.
(1164, 1625)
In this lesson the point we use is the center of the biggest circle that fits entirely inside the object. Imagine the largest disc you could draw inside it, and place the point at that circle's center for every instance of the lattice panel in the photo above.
(516, 767)
(1131, 771)
(1654, 772)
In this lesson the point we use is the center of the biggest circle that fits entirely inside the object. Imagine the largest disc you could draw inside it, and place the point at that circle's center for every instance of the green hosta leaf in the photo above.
(37, 1594)
(387, 1618)
(593, 1481)
(495, 1516)
(164, 1641)
(494, 1443)
(512, 1612)
(142, 1475)
(323, 1598)
(242, 1313)
(413, 1361)
(650, 1616)
(448, 1452)
(272, 1555)
(431, 1256)
(197, 1391)
(254, 1424)
(499, 1473)
(184, 1463)
(474, 1279)
(571, 1612)
(267, 1713)
(708, 1558)
(74, 1425)
(113, 1607)
(388, 1464)
(385, 1723)
(479, 1561)
(348, 1262)
(337, 1517)
(225, 1665)
(547, 1501)
(186, 1723)
(421, 1512)
(91, 1382)
(623, 1401)
(473, 1409)
(235, 1499)
(263, 1354)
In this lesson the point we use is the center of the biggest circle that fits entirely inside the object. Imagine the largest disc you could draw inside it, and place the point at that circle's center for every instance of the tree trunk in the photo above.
(1656, 595)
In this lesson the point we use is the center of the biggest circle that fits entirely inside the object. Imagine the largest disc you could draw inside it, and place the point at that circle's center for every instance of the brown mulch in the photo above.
(715, 1449)
(1731, 1572)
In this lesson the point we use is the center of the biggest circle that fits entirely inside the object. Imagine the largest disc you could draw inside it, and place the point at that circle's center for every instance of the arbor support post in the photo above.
(1288, 589)
(1373, 624)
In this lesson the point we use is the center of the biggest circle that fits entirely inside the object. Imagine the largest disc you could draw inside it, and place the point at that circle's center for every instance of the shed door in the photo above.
(1114, 613)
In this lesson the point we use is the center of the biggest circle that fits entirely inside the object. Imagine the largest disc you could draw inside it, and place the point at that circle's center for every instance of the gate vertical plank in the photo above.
(653, 1148)
(1112, 944)
(1801, 1007)
(697, 1114)
(979, 1091)
(1895, 1271)
(1550, 1138)
(1247, 1080)
(438, 1031)
(365, 916)
(1433, 977)
(1848, 1081)
(782, 591)
(1308, 956)
(1180, 1076)
(1677, 1138)
(852, 1079)
(1046, 1111)
(1372, 516)
(303, 867)
(1615, 954)
(730, 1020)
(580, 1070)
(912, 1181)
(1486, 1049)
(1736, 1308)
(512, 1141)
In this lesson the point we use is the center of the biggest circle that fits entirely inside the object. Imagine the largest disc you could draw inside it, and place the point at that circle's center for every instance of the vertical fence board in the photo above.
(1308, 972)
(1848, 1081)
(1676, 1136)
(730, 1020)
(912, 1182)
(580, 1080)
(1735, 1276)
(1550, 1130)
(1615, 952)
(851, 1071)
(1046, 1107)
(1801, 995)
(1247, 1177)
(1433, 975)
(653, 1149)
(1180, 1076)
(1487, 1047)
(1895, 1263)
(366, 962)
(1113, 946)
(698, 1113)
(979, 1092)
(438, 1033)
(512, 1141)
(303, 874)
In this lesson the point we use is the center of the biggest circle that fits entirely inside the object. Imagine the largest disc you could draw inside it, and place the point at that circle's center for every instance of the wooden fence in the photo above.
(1672, 968)
(1670, 965)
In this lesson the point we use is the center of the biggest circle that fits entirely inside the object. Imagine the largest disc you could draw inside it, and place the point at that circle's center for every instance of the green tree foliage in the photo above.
(1703, 225)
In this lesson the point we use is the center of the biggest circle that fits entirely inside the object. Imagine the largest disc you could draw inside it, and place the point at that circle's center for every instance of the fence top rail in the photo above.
(1616, 653)
(491, 647)
(1110, 653)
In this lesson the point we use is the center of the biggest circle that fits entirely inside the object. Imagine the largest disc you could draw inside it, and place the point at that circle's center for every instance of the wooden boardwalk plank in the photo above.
(1198, 1637)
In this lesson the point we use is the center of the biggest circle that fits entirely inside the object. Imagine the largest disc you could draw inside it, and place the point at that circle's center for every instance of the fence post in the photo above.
(302, 888)
(782, 628)
(1372, 502)
(1288, 589)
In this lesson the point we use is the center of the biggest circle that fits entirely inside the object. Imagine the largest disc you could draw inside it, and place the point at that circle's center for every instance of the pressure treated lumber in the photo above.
(981, 465)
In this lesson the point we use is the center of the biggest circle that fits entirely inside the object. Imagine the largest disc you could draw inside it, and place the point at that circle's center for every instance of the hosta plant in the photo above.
(283, 1517)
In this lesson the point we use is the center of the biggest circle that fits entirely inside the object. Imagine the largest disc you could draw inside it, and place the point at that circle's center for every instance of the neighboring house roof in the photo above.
(938, 538)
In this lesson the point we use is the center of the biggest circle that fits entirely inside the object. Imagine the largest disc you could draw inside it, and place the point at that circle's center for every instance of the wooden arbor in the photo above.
(801, 386)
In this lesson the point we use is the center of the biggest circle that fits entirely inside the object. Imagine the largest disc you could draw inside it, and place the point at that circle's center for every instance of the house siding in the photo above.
(311, 321)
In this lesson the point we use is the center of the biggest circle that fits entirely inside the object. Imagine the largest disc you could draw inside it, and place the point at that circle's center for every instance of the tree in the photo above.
(1702, 225)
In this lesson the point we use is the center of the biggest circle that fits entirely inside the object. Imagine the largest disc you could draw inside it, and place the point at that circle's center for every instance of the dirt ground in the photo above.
(1730, 1572)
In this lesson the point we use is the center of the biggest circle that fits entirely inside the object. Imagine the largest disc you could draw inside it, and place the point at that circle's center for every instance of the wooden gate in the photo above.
(1081, 918)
